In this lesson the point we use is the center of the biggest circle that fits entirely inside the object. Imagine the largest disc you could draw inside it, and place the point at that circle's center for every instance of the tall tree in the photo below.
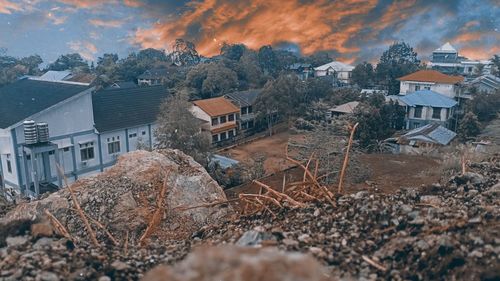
(211, 80)
(399, 60)
(179, 129)
(267, 60)
(495, 69)
(233, 51)
(70, 62)
(184, 53)
(363, 75)
(318, 58)
(469, 126)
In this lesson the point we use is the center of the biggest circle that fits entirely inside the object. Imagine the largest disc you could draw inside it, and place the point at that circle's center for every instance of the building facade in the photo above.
(431, 80)
(88, 130)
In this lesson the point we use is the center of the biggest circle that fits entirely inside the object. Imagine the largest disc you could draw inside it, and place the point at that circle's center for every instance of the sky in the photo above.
(350, 30)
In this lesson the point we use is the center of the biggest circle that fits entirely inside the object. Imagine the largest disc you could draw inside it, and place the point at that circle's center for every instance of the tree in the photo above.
(179, 129)
(469, 126)
(363, 75)
(317, 59)
(184, 53)
(399, 60)
(495, 69)
(485, 106)
(69, 62)
(233, 51)
(12, 68)
(211, 80)
(267, 60)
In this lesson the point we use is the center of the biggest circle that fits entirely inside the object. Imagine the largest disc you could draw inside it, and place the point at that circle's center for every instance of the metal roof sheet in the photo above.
(428, 98)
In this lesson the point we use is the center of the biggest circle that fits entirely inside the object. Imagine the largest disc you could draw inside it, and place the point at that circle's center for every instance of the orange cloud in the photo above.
(7, 7)
(314, 26)
(133, 3)
(86, 4)
(106, 23)
(479, 53)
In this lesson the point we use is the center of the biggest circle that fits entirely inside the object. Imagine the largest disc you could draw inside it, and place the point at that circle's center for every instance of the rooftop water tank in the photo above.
(30, 132)
(43, 132)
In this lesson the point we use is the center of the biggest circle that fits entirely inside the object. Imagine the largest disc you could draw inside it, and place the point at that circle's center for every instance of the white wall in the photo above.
(407, 87)
(67, 118)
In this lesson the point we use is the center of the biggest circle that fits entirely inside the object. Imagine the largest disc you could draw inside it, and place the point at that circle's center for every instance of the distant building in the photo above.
(153, 77)
(486, 83)
(302, 70)
(340, 71)
(422, 139)
(426, 107)
(245, 100)
(432, 80)
(122, 85)
(220, 115)
(66, 75)
(87, 130)
(446, 59)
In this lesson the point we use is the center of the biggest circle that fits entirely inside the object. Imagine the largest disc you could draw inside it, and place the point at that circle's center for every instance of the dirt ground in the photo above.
(272, 148)
(388, 173)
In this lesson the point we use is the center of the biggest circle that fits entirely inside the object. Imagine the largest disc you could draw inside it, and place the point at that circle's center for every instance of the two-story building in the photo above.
(425, 107)
(341, 72)
(220, 117)
(87, 130)
(245, 100)
(431, 80)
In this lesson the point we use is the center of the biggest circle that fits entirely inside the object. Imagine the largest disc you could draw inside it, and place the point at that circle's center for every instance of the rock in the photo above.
(475, 220)
(244, 264)
(16, 241)
(304, 238)
(136, 174)
(250, 238)
(104, 278)
(119, 265)
(290, 242)
(43, 229)
(430, 199)
(47, 276)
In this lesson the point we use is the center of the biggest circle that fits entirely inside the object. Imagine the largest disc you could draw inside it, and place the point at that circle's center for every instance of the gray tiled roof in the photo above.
(116, 109)
(23, 98)
(244, 98)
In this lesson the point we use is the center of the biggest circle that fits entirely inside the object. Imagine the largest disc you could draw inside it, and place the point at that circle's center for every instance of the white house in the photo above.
(153, 77)
(339, 70)
(220, 117)
(430, 80)
(87, 130)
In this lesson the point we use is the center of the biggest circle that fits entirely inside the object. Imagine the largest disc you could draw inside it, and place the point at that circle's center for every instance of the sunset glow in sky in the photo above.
(351, 30)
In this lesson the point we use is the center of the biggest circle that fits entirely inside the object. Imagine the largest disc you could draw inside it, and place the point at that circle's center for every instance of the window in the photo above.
(417, 87)
(244, 110)
(52, 152)
(9, 164)
(132, 135)
(231, 134)
(249, 110)
(427, 87)
(66, 149)
(244, 126)
(231, 117)
(114, 147)
(416, 125)
(418, 112)
(250, 124)
(215, 138)
(215, 121)
(223, 136)
(87, 151)
(143, 133)
(223, 119)
(436, 113)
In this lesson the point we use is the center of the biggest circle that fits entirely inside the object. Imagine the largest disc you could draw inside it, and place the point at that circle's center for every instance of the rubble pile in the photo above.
(447, 231)
(124, 199)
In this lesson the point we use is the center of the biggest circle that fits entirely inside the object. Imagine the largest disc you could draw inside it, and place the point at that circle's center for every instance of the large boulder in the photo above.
(125, 197)
(233, 263)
